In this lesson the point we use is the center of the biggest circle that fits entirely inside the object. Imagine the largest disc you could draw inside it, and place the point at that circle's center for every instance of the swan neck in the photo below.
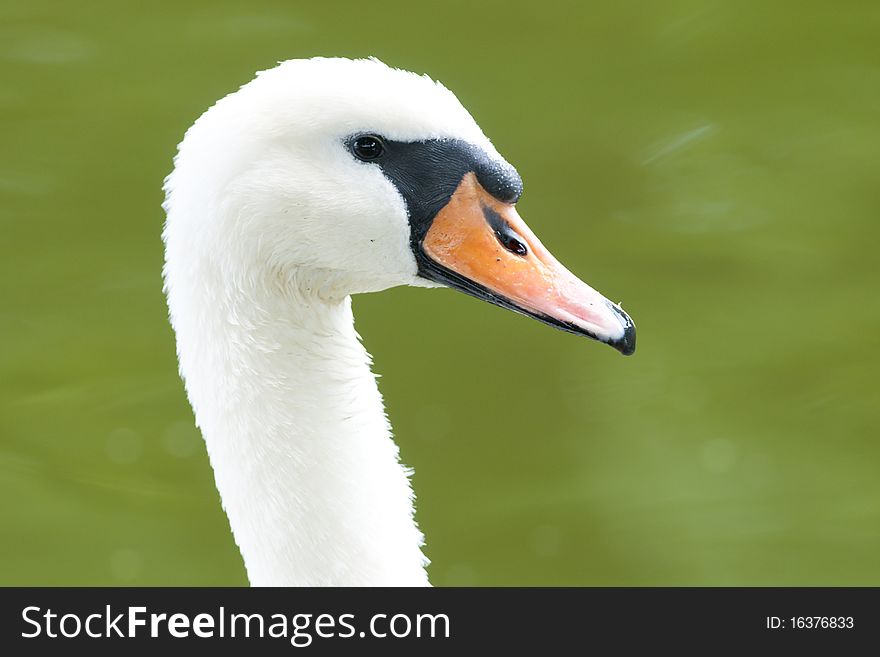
(296, 432)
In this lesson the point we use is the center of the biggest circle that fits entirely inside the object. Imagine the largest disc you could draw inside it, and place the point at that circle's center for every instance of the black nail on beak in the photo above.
(626, 344)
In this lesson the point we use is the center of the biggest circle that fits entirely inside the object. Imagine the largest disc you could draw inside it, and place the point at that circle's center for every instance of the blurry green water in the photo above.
(712, 163)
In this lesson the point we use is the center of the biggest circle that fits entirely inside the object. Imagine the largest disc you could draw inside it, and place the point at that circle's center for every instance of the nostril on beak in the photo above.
(506, 236)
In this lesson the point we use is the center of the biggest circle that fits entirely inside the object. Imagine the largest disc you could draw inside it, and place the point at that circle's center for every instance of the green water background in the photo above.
(714, 164)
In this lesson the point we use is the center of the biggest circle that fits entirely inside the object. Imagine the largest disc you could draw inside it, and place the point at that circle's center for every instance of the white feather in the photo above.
(271, 225)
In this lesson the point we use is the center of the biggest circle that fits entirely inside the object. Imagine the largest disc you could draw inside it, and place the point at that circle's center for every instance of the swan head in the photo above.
(337, 176)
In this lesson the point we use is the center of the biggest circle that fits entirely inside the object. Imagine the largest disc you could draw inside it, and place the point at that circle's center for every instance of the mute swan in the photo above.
(319, 179)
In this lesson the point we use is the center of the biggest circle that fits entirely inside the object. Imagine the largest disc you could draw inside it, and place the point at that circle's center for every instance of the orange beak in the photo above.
(481, 246)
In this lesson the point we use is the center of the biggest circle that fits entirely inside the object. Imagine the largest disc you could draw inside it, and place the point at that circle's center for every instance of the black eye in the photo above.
(368, 147)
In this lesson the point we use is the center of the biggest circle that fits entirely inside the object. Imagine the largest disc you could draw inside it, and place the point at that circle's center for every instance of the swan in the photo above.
(319, 179)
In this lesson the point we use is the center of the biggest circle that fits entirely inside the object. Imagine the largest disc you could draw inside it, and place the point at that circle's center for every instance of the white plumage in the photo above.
(271, 225)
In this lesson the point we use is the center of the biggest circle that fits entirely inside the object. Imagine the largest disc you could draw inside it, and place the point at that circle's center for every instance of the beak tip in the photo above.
(626, 344)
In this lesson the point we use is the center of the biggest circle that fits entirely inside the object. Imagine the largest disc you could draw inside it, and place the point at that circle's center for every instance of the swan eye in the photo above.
(368, 147)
